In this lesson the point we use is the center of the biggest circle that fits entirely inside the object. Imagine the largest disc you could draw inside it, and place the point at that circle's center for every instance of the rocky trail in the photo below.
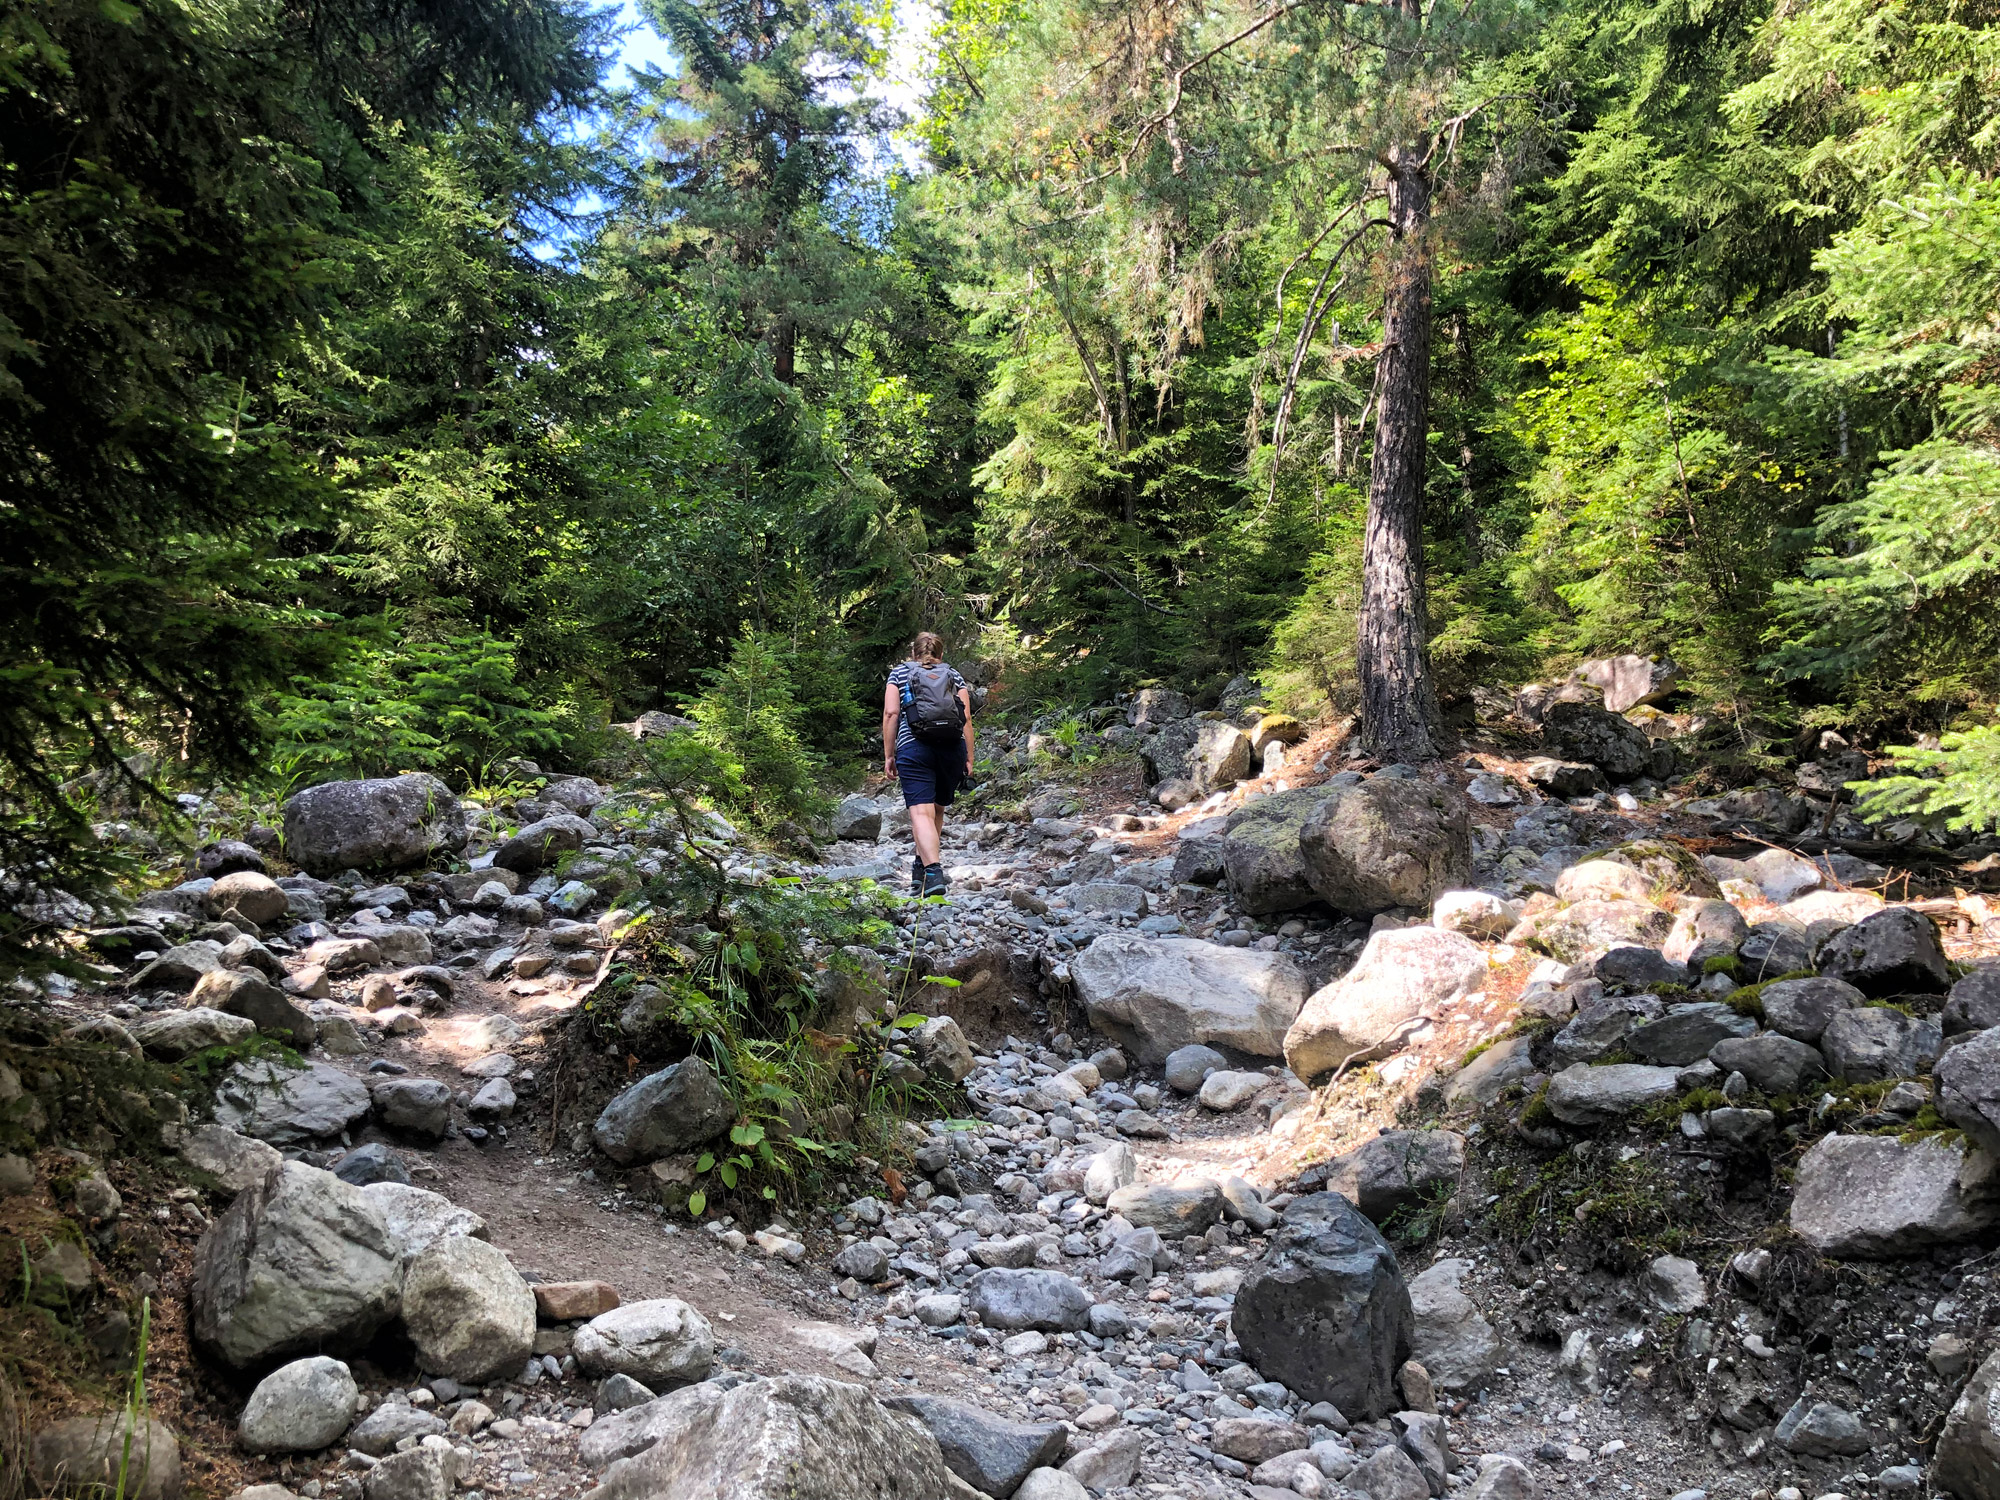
(1523, 1124)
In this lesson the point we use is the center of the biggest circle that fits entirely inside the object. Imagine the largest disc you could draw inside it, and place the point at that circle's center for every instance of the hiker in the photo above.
(927, 745)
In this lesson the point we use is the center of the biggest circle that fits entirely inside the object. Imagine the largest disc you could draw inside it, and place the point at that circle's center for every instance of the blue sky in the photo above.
(644, 46)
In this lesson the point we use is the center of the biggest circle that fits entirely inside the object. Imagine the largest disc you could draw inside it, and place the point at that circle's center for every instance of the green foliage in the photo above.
(1960, 779)
(748, 714)
(397, 706)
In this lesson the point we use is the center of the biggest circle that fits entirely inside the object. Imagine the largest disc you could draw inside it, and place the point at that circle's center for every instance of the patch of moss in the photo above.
(1536, 1112)
(1722, 963)
(1746, 1002)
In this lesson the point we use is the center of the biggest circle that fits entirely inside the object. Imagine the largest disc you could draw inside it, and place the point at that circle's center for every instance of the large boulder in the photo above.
(620, 1434)
(234, 1161)
(1403, 974)
(1802, 1008)
(1870, 1197)
(418, 1218)
(256, 895)
(1967, 1462)
(1220, 759)
(301, 1262)
(468, 1311)
(248, 994)
(1871, 1043)
(1169, 754)
(1773, 1063)
(990, 1453)
(1007, 1298)
(1974, 1004)
(1173, 1210)
(1704, 929)
(792, 1438)
(1154, 706)
(173, 1034)
(1687, 1033)
(1894, 952)
(1259, 847)
(857, 819)
(419, 1107)
(1628, 681)
(1397, 1171)
(1587, 930)
(288, 1106)
(1450, 1338)
(1598, 1095)
(1597, 737)
(301, 1407)
(1968, 1088)
(660, 1342)
(1154, 995)
(664, 1114)
(1387, 842)
(110, 1454)
(543, 842)
(1326, 1311)
(393, 823)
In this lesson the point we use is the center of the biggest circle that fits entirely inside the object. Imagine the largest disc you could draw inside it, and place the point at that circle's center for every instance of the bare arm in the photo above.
(892, 713)
(971, 736)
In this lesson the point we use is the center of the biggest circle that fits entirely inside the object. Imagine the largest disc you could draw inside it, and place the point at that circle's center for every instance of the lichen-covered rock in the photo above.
(1587, 930)
(301, 1262)
(1259, 851)
(1894, 952)
(469, 1312)
(1387, 842)
(1871, 1197)
(288, 1106)
(1967, 1461)
(392, 823)
(1397, 1171)
(1597, 1095)
(301, 1407)
(1615, 745)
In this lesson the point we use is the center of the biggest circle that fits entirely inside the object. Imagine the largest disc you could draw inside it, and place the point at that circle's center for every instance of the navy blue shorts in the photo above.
(930, 773)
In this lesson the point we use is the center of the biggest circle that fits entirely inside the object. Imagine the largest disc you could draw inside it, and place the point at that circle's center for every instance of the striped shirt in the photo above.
(899, 678)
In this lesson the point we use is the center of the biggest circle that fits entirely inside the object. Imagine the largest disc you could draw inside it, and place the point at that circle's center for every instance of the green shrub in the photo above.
(393, 706)
(750, 716)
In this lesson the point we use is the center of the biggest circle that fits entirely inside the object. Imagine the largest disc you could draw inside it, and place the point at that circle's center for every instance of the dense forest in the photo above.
(400, 385)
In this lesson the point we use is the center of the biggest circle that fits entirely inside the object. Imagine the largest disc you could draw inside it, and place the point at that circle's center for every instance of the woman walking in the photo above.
(927, 745)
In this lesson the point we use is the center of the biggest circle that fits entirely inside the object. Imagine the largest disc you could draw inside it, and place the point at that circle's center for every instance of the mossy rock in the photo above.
(1671, 868)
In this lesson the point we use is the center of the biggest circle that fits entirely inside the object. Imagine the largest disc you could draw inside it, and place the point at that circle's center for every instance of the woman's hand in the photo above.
(889, 768)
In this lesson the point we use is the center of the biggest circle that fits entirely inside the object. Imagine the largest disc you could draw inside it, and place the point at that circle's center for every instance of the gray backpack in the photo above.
(931, 707)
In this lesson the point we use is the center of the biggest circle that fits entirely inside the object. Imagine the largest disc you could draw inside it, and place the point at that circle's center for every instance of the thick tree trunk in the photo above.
(1399, 711)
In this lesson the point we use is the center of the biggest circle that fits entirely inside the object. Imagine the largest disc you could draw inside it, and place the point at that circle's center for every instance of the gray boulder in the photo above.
(1601, 1026)
(1489, 1075)
(418, 1218)
(394, 823)
(990, 1453)
(1801, 1008)
(1704, 929)
(1819, 1429)
(857, 820)
(1387, 842)
(373, 1162)
(1220, 758)
(1639, 969)
(1628, 681)
(1779, 946)
(1615, 745)
(1112, 1168)
(1260, 855)
(234, 1161)
(1187, 1068)
(1774, 1064)
(378, 1433)
(1871, 1197)
(1167, 756)
(1174, 1211)
(1110, 1463)
(1388, 1474)
(246, 993)
(1968, 1088)
(1155, 995)
(1564, 778)
(639, 1426)
(301, 1407)
(88, 1456)
(1326, 1311)
(1397, 1171)
(1401, 974)
(1974, 1004)
(1588, 1095)
(182, 964)
(660, 1342)
(1687, 1033)
(1872, 1042)
(1967, 1461)
(254, 894)
(1894, 952)
(1155, 706)
(543, 842)
(288, 1106)
(427, 1472)
(1200, 860)
(1587, 930)
(300, 1261)
(173, 1034)
(1450, 1338)
(663, 1114)
(418, 1107)
(468, 1311)
(791, 1438)
(1029, 1299)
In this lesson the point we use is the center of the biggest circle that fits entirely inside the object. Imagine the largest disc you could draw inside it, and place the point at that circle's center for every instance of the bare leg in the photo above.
(926, 824)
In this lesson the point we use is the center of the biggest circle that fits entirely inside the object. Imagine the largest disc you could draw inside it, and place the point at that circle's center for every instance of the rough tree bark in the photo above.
(1399, 709)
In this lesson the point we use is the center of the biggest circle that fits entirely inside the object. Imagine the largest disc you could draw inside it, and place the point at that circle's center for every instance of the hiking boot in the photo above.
(916, 875)
(934, 881)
